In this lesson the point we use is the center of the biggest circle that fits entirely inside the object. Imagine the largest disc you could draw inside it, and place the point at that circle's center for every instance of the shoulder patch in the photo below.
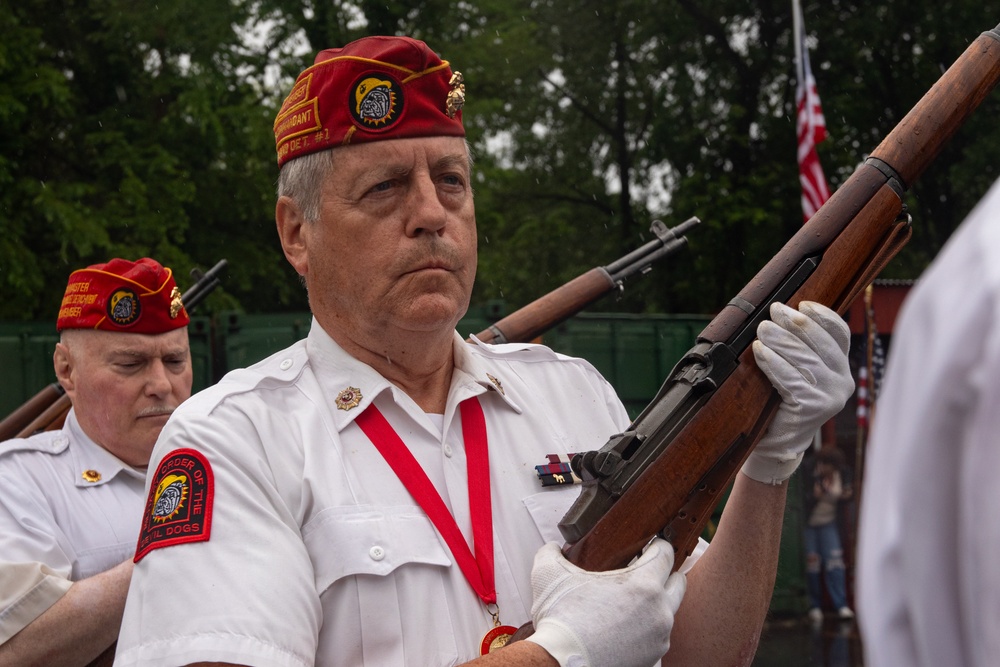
(179, 506)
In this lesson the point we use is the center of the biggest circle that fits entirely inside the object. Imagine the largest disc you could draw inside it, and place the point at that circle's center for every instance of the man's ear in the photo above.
(291, 230)
(62, 361)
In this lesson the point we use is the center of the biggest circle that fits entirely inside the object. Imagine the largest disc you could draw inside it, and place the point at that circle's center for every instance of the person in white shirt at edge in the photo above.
(307, 532)
(70, 499)
(928, 585)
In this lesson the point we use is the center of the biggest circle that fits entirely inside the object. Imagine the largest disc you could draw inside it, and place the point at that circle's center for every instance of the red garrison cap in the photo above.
(374, 88)
(132, 297)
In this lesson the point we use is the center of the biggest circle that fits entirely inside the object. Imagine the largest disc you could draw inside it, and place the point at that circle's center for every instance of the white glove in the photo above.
(621, 617)
(804, 354)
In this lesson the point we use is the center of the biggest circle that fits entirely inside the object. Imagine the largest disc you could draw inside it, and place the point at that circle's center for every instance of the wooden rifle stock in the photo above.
(531, 321)
(15, 422)
(46, 410)
(667, 473)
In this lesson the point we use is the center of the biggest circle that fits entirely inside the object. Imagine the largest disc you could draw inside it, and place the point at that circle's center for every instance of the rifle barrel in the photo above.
(205, 283)
(666, 241)
(530, 321)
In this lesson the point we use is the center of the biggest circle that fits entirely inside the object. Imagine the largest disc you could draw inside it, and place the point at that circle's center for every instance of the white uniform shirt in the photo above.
(928, 565)
(317, 553)
(58, 522)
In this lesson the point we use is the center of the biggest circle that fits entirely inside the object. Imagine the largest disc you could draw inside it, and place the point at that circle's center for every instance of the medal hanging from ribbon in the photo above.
(478, 568)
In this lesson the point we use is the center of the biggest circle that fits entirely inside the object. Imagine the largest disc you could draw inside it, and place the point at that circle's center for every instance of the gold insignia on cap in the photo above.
(456, 97)
(349, 398)
(176, 304)
(496, 383)
(91, 476)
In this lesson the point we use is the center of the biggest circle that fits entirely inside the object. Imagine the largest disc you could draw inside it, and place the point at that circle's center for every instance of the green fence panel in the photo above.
(635, 353)
(242, 340)
(790, 596)
(479, 318)
(26, 353)
(202, 356)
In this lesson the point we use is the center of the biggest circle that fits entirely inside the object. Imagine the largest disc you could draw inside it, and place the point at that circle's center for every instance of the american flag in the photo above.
(810, 124)
(878, 360)
(872, 367)
(863, 400)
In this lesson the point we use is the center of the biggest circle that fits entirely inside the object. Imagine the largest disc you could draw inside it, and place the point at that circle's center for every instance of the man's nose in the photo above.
(158, 379)
(427, 213)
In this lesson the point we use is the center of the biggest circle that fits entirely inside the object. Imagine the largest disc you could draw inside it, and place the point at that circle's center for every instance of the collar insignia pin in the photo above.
(497, 384)
(91, 476)
(349, 398)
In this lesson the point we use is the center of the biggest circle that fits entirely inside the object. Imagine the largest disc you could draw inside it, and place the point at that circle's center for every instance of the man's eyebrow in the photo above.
(460, 160)
(118, 354)
(382, 169)
(142, 354)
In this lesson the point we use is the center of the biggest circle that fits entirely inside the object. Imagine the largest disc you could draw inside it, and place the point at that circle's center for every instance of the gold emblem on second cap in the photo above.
(456, 96)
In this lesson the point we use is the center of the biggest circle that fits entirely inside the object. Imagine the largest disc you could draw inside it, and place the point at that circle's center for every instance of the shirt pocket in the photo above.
(349, 541)
(383, 576)
(549, 507)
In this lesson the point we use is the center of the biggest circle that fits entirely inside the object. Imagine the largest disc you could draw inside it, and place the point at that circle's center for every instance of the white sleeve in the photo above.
(928, 585)
(35, 570)
(246, 594)
(27, 590)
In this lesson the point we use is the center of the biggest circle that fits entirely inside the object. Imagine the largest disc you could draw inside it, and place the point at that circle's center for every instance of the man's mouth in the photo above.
(155, 411)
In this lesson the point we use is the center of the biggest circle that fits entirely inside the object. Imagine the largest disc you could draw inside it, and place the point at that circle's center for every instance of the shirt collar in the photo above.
(93, 465)
(352, 385)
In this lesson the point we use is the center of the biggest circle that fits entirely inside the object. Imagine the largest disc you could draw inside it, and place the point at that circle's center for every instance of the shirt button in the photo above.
(285, 365)
(376, 553)
(447, 450)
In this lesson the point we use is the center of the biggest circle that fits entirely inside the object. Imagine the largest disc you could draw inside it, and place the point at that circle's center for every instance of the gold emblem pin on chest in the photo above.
(349, 398)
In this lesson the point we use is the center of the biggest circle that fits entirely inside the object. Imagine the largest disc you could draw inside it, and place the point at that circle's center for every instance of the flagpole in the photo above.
(797, 27)
(870, 399)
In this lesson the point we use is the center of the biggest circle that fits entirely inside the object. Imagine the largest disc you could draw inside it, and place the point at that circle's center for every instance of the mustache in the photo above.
(156, 411)
(439, 256)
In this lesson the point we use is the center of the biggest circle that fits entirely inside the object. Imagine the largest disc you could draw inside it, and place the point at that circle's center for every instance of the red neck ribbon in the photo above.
(478, 569)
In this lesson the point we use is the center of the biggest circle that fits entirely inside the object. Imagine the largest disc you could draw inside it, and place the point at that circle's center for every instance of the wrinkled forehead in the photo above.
(403, 152)
(98, 343)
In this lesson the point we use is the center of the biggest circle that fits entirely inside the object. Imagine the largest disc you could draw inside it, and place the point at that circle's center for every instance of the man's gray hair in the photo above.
(302, 180)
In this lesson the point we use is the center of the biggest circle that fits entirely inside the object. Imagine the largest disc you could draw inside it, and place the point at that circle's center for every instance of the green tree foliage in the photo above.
(696, 100)
(130, 129)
